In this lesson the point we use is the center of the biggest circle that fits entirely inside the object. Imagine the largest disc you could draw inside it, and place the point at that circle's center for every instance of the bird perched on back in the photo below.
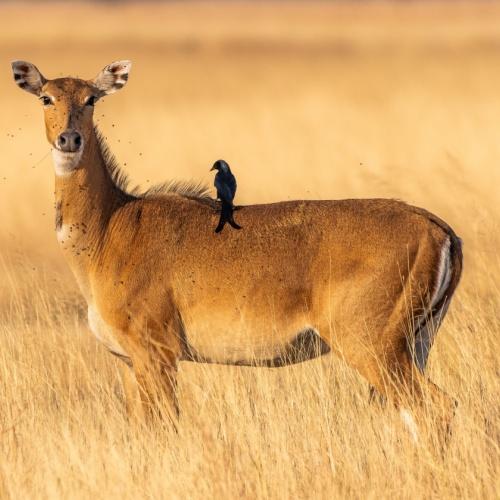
(225, 183)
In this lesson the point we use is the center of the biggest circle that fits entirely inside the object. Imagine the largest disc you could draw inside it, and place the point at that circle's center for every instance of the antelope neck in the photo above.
(85, 200)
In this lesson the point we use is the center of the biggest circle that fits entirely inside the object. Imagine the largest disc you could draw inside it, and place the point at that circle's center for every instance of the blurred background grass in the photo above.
(304, 100)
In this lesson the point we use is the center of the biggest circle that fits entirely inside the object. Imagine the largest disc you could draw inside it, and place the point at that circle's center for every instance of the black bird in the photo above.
(225, 183)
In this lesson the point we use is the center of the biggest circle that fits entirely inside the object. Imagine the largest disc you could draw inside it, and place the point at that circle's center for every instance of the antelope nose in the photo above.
(69, 141)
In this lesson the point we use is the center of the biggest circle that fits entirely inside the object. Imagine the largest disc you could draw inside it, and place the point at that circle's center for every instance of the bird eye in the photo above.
(90, 101)
(46, 100)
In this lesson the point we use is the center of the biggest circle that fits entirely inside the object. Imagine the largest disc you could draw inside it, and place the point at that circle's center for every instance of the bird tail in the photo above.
(226, 215)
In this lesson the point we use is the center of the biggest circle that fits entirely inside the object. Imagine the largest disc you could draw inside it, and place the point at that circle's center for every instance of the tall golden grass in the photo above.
(304, 101)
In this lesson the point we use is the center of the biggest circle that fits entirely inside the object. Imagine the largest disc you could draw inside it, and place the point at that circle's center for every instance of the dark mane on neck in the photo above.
(192, 190)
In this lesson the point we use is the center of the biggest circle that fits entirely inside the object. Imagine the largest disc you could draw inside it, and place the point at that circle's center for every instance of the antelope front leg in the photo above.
(157, 387)
(155, 357)
(131, 394)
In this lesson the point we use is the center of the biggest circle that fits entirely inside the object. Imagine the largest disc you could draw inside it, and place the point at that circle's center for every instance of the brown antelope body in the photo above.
(367, 279)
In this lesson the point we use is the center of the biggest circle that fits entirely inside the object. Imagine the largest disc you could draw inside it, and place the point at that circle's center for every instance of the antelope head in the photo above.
(68, 105)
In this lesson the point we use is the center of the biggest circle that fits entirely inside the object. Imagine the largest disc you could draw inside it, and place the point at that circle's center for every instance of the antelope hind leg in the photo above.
(423, 406)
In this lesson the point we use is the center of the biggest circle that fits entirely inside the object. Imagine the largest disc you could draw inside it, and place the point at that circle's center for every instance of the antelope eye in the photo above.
(90, 101)
(47, 101)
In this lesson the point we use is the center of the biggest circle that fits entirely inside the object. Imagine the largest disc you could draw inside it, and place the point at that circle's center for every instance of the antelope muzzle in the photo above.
(69, 141)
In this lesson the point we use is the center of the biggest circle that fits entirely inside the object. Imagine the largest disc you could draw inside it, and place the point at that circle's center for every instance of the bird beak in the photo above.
(213, 168)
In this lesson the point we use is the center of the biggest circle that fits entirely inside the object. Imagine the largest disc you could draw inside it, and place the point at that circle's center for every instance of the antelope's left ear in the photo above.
(28, 77)
(113, 77)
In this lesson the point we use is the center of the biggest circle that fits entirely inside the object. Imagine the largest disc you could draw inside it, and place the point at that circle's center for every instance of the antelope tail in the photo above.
(226, 215)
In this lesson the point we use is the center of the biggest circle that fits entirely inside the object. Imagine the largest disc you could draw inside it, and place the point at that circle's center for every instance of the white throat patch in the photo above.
(66, 163)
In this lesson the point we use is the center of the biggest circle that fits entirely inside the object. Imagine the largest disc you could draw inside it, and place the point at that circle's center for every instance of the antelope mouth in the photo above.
(68, 154)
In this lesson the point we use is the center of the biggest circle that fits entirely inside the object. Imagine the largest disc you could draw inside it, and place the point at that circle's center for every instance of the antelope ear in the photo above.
(27, 76)
(113, 77)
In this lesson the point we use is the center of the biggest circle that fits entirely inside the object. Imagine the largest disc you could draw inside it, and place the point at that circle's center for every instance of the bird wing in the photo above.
(224, 192)
(231, 182)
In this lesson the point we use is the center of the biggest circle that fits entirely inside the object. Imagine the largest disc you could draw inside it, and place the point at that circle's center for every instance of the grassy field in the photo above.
(304, 101)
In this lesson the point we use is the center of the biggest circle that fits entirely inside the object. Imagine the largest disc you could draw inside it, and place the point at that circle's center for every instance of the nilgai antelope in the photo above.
(369, 280)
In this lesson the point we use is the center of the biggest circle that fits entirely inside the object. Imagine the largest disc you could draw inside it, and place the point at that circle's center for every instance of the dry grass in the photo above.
(309, 101)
